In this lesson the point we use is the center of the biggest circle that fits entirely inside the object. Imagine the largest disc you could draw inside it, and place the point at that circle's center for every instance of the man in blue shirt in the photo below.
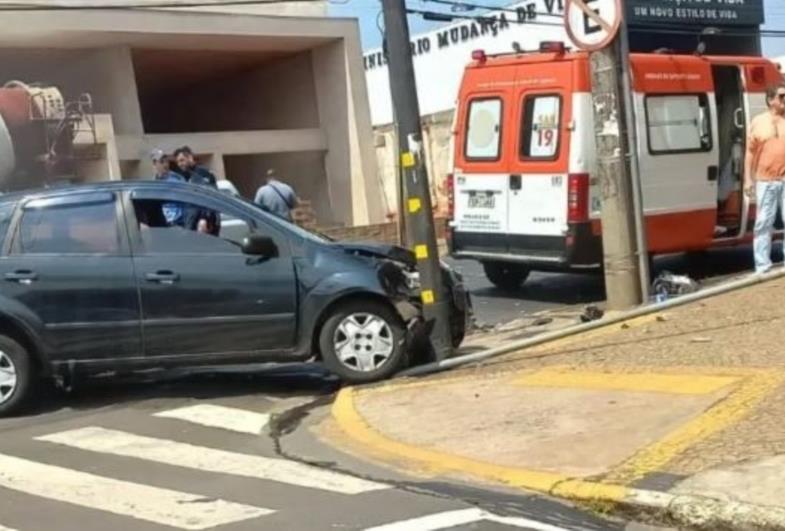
(202, 220)
(173, 212)
(276, 197)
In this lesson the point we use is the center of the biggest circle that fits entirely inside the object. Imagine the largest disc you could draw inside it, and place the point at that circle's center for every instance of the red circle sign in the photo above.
(592, 24)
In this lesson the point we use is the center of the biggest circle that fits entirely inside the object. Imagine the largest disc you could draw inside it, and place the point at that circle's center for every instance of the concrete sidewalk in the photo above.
(680, 415)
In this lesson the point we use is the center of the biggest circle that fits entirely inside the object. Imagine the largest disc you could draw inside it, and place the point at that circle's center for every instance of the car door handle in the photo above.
(162, 277)
(22, 276)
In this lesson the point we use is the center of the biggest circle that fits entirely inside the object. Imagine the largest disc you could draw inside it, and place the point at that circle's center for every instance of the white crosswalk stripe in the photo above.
(446, 520)
(225, 418)
(95, 439)
(162, 506)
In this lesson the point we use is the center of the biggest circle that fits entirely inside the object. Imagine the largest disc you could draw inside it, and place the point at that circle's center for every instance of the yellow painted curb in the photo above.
(432, 461)
(753, 386)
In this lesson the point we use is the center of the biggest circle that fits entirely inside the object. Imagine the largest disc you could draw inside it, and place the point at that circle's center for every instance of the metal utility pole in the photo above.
(622, 268)
(416, 204)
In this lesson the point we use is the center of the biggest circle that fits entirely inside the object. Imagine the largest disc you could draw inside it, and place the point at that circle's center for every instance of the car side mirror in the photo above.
(259, 245)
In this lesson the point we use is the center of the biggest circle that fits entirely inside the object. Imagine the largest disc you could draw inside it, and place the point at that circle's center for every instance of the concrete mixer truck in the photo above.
(37, 130)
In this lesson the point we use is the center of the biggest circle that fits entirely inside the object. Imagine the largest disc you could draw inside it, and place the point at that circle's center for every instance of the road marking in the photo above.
(681, 384)
(3, 528)
(733, 408)
(225, 418)
(157, 505)
(426, 460)
(173, 453)
(449, 519)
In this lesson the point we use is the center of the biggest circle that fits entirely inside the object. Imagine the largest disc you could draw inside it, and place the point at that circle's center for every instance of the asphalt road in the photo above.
(230, 449)
(553, 291)
(233, 448)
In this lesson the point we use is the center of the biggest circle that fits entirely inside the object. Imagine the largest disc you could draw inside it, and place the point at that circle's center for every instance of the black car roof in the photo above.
(67, 189)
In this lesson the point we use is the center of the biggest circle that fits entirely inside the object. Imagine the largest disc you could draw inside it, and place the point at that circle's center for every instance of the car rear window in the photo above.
(69, 228)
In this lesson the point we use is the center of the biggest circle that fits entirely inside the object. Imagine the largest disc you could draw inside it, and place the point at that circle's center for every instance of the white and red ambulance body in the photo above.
(523, 192)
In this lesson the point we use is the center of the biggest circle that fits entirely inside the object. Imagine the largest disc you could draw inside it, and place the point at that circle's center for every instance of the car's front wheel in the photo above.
(363, 341)
(16, 376)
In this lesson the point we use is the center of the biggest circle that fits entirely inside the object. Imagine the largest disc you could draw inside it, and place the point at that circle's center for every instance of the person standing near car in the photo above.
(201, 220)
(276, 197)
(173, 212)
(764, 172)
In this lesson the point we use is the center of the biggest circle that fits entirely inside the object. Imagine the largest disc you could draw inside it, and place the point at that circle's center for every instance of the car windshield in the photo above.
(303, 233)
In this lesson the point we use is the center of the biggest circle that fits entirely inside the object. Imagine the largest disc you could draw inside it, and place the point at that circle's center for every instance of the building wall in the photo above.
(245, 92)
(437, 133)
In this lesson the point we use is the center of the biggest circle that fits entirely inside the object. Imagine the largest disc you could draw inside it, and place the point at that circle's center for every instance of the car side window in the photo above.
(166, 227)
(74, 227)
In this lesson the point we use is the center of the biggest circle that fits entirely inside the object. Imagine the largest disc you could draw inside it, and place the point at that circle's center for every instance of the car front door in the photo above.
(68, 265)
(200, 295)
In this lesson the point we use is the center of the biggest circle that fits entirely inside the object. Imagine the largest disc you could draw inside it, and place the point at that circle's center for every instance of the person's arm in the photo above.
(751, 159)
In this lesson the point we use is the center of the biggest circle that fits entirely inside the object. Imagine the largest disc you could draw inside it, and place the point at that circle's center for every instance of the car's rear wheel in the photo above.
(16, 376)
(506, 276)
(363, 341)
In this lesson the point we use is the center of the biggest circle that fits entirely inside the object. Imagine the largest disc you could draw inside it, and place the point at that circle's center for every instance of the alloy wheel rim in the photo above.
(7, 377)
(363, 342)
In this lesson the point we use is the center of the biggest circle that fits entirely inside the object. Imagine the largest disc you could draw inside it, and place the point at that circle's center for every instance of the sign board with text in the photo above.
(699, 12)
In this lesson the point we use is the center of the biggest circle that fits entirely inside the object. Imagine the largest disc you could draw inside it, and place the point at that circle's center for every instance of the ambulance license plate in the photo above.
(482, 200)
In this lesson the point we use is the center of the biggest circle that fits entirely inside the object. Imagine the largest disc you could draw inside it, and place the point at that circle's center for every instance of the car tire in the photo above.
(17, 377)
(505, 276)
(377, 349)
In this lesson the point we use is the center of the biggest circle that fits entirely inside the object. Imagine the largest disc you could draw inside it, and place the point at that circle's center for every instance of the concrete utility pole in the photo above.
(416, 204)
(622, 268)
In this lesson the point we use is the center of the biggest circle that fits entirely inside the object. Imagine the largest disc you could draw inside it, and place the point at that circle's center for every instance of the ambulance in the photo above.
(523, 193)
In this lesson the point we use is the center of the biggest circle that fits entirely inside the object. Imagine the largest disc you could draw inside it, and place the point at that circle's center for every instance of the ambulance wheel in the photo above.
(504, 275)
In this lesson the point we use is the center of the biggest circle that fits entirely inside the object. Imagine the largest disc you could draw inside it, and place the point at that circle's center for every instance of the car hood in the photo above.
(379, 250)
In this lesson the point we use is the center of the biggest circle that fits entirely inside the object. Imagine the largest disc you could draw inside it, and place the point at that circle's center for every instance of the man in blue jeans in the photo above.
(765, 171)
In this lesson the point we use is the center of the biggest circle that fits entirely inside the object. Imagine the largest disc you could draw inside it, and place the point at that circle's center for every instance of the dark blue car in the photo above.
(94, 279)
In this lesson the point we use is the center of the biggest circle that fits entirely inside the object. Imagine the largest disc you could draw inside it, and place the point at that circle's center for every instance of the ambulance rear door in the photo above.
(481, 176)
(538, 181)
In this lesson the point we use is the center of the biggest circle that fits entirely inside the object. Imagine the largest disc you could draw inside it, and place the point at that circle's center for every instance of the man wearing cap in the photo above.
(173, 212)
(277, 198)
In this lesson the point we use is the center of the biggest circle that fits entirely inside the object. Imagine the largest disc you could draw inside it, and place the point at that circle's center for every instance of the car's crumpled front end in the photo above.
(397, 269)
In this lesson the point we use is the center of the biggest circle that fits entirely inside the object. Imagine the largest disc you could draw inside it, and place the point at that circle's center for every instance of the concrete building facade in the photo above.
(246, 92)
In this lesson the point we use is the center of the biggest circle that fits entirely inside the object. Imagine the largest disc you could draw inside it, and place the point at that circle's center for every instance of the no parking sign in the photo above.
(592, 24)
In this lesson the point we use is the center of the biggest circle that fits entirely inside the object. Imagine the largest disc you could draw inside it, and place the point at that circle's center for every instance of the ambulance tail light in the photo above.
(557, 47)
(479, 56)
(450, 196)
(578, 198)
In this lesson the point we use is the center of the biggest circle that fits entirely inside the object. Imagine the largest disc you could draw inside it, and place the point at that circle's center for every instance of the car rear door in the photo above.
(68, 264)
(200, 295)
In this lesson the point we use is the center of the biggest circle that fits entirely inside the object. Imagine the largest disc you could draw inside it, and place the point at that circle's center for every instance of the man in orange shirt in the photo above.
(764, 171)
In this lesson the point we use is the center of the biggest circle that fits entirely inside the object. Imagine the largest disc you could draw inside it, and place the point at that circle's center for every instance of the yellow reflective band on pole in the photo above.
(407, 159)
(421, 252)
(427, 297)
(414, 205)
